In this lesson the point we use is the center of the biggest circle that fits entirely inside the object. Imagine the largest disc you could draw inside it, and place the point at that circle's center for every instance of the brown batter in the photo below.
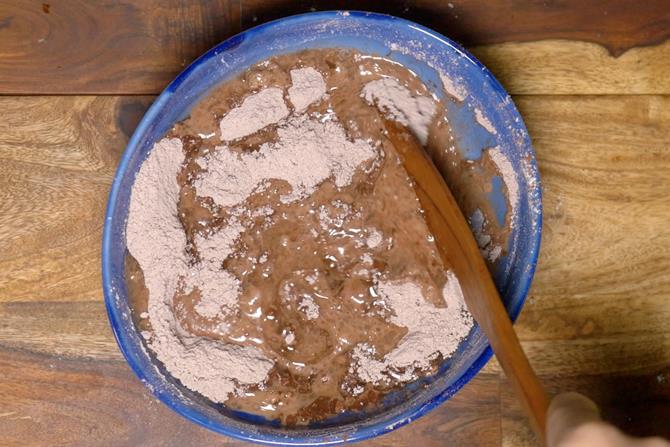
(323, 250)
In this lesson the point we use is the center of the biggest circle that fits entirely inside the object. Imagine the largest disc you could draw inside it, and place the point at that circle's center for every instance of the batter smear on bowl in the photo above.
(279, 262)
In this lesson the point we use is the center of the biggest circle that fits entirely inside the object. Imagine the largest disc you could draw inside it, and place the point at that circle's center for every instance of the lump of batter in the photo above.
(278, 258)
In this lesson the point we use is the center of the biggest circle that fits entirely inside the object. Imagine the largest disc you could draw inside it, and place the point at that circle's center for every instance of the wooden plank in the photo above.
(57, 159)
(596, 320)
(617, 25)
(603, 271)
(138, 47)
(469, 418)
(74, 330)
(79, 46)
(599, 304)
(605, 165)
(54, 401)
(561, 67)
(60, 401)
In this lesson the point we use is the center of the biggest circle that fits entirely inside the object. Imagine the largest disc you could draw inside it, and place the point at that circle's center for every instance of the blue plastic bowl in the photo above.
(425, 52)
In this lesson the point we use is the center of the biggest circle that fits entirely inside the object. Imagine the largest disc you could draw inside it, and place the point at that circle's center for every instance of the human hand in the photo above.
(573, 420)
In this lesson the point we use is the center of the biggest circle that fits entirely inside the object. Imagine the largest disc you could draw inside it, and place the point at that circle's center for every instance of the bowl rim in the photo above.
(361, 432)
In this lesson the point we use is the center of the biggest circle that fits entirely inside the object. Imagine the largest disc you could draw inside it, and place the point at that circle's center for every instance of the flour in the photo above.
(309, 307)
(484, 241)
(530, 174)
(218, 288)
(289, 338)
(154, 234)
(305, 303)
(306, 153)
(308, 87)
(508, 175)
(452, 89)
(215, 248)
(155, 238)
(256, 112)
(416, 49)
(495, 253)
(374, 239)
(484, 122)
(431, 331)
(415, 112)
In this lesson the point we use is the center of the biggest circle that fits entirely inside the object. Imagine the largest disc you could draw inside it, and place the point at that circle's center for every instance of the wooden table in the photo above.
(592, 80)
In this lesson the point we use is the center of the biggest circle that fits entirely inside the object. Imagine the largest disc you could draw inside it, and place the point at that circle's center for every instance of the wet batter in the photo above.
(309, 268)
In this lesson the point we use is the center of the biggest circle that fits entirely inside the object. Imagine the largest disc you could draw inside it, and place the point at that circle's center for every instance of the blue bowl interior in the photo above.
(426, 53)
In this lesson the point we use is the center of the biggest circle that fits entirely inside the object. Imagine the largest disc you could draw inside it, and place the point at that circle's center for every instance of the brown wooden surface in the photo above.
(125, 46)
(596, 318)
(618, 25)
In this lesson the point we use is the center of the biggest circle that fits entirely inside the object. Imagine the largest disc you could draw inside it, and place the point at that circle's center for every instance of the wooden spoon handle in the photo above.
(459, 249)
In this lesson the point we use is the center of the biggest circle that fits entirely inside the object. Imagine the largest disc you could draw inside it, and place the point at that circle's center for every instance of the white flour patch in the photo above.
(309, 308)
(256, 112)
(508, 175)
(156, 239)
(374, 239)
(366, 258)
(484, 241)
(308, 87)
(485, 122)
(452, 89)
(219, 290)
(215, 248)
(306, 153)
(530, 174)
(431, 331)
(415, 112)
(495, 252)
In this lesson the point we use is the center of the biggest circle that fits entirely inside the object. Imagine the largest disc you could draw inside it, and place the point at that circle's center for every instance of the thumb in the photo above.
(567, 412)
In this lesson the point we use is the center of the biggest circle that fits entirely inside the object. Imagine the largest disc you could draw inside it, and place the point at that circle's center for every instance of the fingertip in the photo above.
(573, 401)
(568, 411)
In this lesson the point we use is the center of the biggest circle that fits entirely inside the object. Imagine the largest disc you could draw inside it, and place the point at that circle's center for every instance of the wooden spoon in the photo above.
(458, 248)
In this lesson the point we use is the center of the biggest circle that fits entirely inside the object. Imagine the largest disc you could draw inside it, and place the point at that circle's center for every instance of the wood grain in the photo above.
(98, 47)
(102, 47)
(617, 25)
(600, 294)
(596, 319)
(74, 330)
(48, 400)
(52, 400)
(57, 159)
(577, 68)
(606, 175)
